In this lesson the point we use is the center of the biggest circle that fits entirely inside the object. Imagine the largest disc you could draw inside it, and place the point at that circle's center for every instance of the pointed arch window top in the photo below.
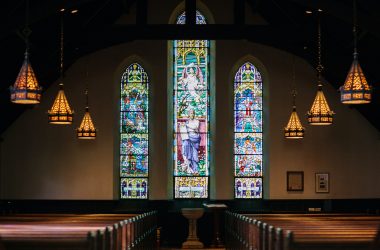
(135, 73)
(200, 19)
(247, 73)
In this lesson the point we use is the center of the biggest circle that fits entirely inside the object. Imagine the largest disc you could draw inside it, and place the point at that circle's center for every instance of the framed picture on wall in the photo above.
(322, 184)
(294, 180)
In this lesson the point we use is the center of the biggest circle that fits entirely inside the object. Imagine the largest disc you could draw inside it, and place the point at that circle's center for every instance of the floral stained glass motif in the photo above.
(191, 115)
(134, 138)
(248, 139)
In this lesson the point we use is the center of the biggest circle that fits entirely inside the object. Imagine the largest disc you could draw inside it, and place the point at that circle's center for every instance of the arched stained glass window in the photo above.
(134, 142)
(248, 114)
(191, 115)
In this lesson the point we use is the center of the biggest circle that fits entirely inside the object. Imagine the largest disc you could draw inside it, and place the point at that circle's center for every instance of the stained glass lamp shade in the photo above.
(320, 113)
(355, 89)
(86, 129)
(60, 112)
(26, 89)
(294, 129)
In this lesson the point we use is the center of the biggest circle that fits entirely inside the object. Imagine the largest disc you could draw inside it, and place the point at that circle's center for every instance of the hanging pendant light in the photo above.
(294, 129)
(320, 113)
(86, 129)
(355, 89)
(60, 112)
(26, 89)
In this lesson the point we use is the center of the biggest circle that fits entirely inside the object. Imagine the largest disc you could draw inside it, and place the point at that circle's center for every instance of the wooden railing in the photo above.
(90, 232)
(301, 232)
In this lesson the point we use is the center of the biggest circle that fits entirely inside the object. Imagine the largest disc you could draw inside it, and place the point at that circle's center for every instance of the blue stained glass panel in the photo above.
(248, 188)
(248, 143)
(134, 122)
(248, 165)
(134, 188)
(134, 144)
(133, 165)
(248, 127)
(248, 121)
(200, 19)
(134, 129)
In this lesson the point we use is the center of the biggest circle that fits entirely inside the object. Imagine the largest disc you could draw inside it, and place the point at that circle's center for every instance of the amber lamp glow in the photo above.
(320, 113)
(60, 112)
(26, 89)
(294, 129)
(86, 129)
(355, 89)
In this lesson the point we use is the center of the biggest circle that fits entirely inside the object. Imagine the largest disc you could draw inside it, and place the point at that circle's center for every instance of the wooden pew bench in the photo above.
(301, 232)
(68, 231)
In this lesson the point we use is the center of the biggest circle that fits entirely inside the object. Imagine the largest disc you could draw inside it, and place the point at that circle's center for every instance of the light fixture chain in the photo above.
(61, 58)
(86, 91)
(26, 31)
(319, 66)
(294, 91)
(355, 28)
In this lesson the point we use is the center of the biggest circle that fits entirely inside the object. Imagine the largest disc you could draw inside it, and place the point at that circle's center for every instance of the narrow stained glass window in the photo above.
(191, 115)
(134, 141)
(248, 114)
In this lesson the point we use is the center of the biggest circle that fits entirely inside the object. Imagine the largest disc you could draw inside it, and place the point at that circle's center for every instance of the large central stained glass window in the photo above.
(248, 114)
(191, 115)
(134, 133)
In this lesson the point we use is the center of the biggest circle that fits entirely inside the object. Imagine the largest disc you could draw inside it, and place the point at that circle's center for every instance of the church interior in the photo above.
(234, 124)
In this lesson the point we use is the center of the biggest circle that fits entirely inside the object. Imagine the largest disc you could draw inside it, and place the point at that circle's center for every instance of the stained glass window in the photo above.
(134, 141)
(191, 115)
(248, 114)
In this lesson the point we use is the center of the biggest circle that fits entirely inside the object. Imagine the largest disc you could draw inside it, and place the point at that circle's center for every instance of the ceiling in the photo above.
(95, 26)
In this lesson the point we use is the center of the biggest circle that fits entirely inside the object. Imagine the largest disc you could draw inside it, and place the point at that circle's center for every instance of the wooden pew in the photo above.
(92, 232)
(312, 232)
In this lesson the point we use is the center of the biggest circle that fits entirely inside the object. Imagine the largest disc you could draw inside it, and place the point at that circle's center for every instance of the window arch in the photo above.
(191, 115)
(248, 132)
(134, 131)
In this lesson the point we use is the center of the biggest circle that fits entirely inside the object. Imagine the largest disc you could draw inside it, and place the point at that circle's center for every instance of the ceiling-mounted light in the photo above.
(26, 89)
(60, 112)
(355, 89)
(320, 113)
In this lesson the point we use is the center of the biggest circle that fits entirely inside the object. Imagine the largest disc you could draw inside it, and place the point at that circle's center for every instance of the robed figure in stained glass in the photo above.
(192, 80)
(190, 143)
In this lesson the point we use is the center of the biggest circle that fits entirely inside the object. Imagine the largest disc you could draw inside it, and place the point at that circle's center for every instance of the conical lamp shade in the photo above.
(320, 113)
(355, 89)
(86, 129)
(60, 112)
(294, 129)
(26, 89)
